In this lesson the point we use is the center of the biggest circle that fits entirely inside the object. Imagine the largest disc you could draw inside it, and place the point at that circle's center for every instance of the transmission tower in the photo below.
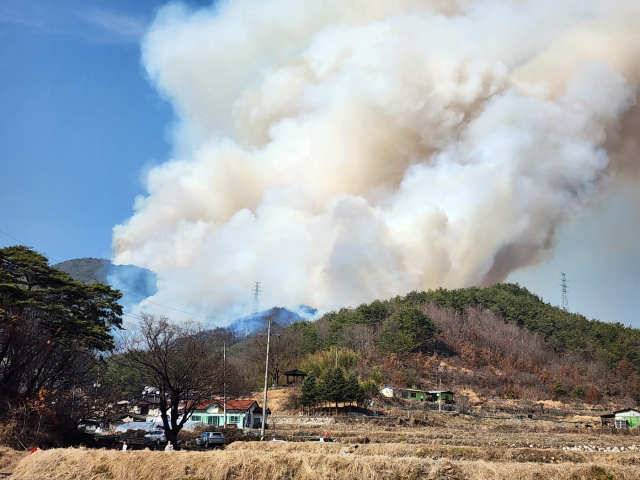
(256, 299)
(563, 284)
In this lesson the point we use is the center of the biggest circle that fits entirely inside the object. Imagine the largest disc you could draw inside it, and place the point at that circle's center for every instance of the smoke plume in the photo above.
(341, 151)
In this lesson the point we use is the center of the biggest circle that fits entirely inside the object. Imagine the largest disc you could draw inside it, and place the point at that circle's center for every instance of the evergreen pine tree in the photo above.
(361, 395)
(351, 389)
(335, 386)
(308, 391)
(321, 389)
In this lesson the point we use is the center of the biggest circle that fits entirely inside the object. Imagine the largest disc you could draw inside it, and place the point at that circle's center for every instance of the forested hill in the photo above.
(564, 331)
(129, 278)
(398, 325)
(500, 342)
(85, 270)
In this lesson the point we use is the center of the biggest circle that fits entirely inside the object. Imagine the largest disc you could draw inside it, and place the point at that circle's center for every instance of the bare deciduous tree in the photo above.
(359, 338)
(182, 360)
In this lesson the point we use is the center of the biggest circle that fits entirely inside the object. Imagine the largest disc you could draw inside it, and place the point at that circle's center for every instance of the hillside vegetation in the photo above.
(501, 341)
(140, 282)
(562, 330)
(85, 270)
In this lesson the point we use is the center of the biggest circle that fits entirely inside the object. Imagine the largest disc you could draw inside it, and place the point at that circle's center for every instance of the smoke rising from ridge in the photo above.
(342, 151)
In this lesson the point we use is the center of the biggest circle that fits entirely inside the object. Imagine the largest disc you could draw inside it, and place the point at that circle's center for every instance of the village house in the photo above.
(437, 396)
(627, 418)
(143, 407)
(406, 393)
(240, 413)
(444, 396)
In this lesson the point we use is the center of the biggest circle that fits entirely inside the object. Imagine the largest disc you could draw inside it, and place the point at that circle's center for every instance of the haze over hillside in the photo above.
(129, 278)
(141, 282)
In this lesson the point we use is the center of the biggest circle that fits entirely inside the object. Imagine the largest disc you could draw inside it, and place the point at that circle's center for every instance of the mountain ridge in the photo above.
(141, 282)
(131, 279)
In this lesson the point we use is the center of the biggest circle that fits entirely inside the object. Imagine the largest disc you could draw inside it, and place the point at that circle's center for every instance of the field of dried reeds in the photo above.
(271, 460)
(437, 447)
(8, 458)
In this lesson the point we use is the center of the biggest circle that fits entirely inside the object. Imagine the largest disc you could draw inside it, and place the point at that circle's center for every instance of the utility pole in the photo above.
(266, 374)
(336, 356)
(224, 381)
(440, 389)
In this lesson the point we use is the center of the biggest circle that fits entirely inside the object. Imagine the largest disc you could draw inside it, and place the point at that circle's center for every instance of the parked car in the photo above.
(210, 439)
(156, 436)
(321, 439)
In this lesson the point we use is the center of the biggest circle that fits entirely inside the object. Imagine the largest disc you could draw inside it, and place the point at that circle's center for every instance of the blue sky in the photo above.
(80, 123)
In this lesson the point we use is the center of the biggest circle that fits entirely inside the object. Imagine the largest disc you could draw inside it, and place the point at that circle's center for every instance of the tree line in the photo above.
(60, 360)
(53, 333)
(333, 387)
(64, 355)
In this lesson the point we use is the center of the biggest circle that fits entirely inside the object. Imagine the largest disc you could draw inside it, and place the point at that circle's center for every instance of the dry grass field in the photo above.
(9, 458)
(303, 461)
(438, 447)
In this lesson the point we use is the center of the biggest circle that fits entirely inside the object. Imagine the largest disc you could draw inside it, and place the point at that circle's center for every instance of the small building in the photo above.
(415, 395)
(626, 418)
(444, 396)
(295, 376)
(405, 393)
(388, 391)
(146, 404)
(240, 413)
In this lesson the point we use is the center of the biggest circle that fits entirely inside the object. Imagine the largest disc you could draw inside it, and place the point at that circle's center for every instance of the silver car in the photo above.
(156, 436)
(210, 439)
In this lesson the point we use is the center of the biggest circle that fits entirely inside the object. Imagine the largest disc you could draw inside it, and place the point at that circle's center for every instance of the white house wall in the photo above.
(632, 413)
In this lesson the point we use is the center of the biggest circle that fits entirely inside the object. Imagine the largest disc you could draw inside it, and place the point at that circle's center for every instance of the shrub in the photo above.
(577, 392)
(558, 390)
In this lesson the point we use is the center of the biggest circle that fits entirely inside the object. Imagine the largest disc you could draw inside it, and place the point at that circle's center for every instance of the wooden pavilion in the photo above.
(295, 376)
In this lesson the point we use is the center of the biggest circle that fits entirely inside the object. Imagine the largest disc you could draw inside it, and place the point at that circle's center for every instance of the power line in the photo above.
(25, 245)
(170, 308)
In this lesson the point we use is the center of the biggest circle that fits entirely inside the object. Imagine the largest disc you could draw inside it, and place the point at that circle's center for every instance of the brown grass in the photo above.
(454, 447)
(278, 398)
(303, 461)
(9, 458)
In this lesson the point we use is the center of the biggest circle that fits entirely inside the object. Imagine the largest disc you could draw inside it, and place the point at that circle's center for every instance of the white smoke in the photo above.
(342, 151)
